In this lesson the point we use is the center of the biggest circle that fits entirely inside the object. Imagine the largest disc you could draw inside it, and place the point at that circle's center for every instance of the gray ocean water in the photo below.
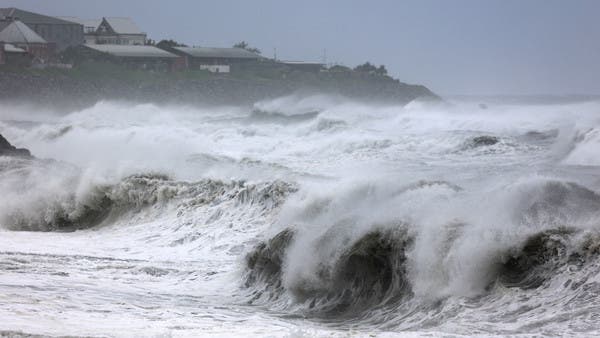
(302, 216)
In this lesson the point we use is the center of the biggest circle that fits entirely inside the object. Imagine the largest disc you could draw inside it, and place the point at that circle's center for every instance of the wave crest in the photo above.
(370, 271)
(100, 203)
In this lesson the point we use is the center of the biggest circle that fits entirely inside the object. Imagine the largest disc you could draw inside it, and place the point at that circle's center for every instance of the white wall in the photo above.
(216, 68)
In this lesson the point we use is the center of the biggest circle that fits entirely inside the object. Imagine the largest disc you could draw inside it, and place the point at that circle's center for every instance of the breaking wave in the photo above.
(260, 116)
(86, 207)
(351, 215)
(370, 272)
(584, 148)
(356, 264)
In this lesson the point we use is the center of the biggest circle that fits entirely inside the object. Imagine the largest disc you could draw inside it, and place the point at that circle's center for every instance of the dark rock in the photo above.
(484, 140)
(535, 135)
(7, 149)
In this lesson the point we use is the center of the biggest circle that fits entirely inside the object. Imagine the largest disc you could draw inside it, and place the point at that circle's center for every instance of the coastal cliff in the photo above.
(76, 88)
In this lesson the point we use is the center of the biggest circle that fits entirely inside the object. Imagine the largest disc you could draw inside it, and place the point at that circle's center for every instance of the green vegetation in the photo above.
(244, 45)
(367, 67)
(166, 44)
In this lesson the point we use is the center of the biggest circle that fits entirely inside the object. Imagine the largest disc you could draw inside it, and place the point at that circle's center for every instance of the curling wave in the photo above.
(348, 269)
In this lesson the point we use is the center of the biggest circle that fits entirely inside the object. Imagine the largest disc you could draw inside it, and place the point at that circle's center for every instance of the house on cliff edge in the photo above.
(16, 33)
(133, 57)
(215, 60)
(110, 30)
(60, 34)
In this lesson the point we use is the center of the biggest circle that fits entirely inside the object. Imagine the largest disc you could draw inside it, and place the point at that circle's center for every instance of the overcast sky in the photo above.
(473, 47)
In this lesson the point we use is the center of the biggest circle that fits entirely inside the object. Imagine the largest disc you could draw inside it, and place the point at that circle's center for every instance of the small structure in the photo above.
(18, 34)
(304, 66)
(14, 56)
(216, 60)
(60, 33)
(138, 57)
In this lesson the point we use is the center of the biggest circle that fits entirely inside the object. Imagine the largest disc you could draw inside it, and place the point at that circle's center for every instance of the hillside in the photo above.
(89, 83)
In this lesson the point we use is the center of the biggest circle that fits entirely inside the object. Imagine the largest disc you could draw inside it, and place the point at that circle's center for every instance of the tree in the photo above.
(244, 45)
(381, 70)
(367, 67)
(166, 44)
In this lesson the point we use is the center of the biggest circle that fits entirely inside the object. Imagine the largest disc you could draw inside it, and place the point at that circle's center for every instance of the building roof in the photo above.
(31, 18)
(132, 51)
(118, 25)
(93, 23)
(303, 63)
(226, 53)
(18, 32)
(123, 25)
(12, 49)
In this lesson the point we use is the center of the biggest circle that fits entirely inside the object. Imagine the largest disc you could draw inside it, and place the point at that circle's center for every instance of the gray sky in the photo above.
(454, 47)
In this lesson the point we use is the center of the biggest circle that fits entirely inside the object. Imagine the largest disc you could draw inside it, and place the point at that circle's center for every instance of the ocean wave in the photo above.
(584, 148)
(261, 116)
(68, 211)
(368, 272)
(353, 265)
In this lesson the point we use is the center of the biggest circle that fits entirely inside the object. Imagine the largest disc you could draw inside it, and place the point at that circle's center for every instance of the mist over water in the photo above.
(303, 215)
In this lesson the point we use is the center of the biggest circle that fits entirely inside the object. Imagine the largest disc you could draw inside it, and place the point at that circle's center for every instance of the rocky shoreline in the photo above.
(62, 91)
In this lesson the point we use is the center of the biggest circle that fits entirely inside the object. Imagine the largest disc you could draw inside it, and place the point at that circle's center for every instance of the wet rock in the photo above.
(7, 149)
(484, 140)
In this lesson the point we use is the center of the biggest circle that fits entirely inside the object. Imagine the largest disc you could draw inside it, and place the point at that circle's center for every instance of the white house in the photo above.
(111, 31)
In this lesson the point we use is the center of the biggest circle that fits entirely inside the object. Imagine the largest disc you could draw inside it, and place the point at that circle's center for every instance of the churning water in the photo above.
(302, 216)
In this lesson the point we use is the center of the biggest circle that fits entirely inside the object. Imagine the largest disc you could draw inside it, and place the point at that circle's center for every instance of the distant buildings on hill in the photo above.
(18, 41)
(58, 34)
(27, 37)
